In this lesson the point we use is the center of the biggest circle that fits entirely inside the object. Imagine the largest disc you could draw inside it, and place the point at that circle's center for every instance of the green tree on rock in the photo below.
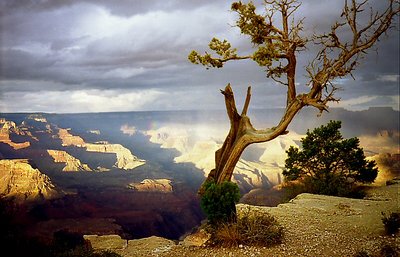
(329, 164)
(218, 201)
(277, 37)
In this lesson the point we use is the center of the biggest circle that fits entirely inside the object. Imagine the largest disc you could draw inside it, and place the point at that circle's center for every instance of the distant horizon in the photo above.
(200, 110)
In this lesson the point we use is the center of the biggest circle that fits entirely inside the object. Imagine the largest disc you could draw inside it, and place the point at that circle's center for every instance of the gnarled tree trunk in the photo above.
(242, 134)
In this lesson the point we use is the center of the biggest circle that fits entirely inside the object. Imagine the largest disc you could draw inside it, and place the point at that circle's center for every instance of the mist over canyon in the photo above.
(136, 174)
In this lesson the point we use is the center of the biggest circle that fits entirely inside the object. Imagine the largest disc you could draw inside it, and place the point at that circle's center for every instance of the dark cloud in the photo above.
(117, 7)
(88, 47)
(21, 65)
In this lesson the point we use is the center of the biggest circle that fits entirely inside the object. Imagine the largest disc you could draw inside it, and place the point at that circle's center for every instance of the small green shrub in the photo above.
(391, 222)
(255, 229)
(219, 201)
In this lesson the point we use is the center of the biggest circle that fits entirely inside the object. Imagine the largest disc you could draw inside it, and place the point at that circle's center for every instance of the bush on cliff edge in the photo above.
(219, 201)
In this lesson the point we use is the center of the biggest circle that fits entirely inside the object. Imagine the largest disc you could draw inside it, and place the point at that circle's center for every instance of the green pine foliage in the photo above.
(329, 164)
(219, 201)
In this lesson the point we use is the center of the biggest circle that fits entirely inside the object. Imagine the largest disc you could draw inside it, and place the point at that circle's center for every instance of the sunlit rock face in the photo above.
(23, 182)
(69, 139)
(172, 138)
(249, 175)
(71, 163)
(153, 185)
(202, 155)
(198, 146)
(8, 127)
(275, 150)
(125, 159)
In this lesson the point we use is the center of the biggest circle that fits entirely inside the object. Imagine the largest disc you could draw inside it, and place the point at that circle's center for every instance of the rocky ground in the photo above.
(314, 225)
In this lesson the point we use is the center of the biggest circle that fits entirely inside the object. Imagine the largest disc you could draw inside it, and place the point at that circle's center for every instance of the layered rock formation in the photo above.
(71, 163)
(153, 185)
(125, 159)
(69, 139)
(170, 137)
(8, 127)
(198, 146)
(201, 155)
(20, 180)
(275, 150)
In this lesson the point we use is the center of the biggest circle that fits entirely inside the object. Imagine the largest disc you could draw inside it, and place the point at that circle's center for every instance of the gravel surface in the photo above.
(314, 225)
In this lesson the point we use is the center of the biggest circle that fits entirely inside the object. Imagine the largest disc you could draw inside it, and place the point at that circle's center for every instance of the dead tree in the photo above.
(276, 49)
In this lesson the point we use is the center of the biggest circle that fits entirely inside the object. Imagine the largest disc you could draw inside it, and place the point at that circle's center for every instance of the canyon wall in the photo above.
(125, 159)
(20, 180)
(153, 185)
(8, 127)
(71, 163)
(69, 139)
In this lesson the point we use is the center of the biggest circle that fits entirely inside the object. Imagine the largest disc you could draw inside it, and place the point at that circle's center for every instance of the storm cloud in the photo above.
(128, 55)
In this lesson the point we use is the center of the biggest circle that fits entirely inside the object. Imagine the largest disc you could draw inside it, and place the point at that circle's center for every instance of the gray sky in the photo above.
(131, 55)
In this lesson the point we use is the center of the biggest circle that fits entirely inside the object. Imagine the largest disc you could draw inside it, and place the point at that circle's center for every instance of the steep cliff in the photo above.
(170, 137)
(261, 168)
(125, 159)
(71, 163)
(69, 139)
(20, 180)
(8, 127)
(153, 185)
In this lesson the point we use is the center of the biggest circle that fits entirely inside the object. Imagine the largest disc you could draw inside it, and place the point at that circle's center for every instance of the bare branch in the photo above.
(276, 49)
(230, 104)
(247, 102)
(347, 55)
